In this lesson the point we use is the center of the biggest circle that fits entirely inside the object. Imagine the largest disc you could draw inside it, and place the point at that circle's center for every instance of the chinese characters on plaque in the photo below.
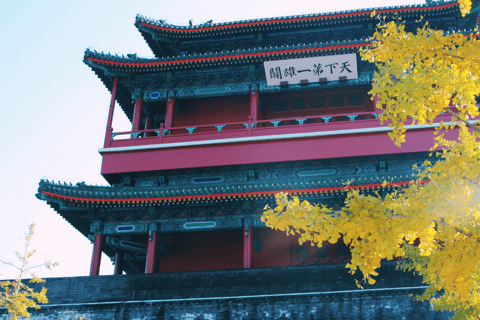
(311, 69)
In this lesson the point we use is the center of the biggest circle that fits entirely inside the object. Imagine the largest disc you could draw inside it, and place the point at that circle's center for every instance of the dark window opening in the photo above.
(323, 252)
(355, 99)
(280, 105)
(341, 250)
(299, 104)
(318, 102)
(336, 100)
(302, 253)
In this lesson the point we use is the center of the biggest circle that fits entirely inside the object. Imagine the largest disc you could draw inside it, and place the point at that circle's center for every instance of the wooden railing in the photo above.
(326, 122)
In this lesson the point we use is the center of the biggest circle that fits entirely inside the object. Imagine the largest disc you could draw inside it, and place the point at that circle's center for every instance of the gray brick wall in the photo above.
(301, 292)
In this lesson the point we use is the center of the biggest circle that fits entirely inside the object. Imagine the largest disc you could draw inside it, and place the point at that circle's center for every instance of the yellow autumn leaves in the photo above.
(419, 76)
(15, 295)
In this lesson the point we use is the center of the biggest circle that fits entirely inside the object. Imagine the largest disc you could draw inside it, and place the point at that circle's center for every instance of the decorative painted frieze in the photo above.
(155, 95)
(204, 179)
(125, 228)
(179, 225)
(212, 91)
(224, 223)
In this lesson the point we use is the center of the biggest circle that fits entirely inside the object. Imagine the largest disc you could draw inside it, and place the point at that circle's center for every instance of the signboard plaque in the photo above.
(311, 69)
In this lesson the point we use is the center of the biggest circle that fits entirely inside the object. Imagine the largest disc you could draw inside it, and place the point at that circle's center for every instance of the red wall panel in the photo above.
(214, 250)
(217, 250)
(215, 110)
(275, 248)
(208, 250)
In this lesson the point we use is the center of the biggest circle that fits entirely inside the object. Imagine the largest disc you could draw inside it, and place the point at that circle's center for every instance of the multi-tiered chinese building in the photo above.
(224, 116)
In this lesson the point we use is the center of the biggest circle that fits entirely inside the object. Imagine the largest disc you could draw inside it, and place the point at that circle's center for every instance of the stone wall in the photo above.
(302, 292)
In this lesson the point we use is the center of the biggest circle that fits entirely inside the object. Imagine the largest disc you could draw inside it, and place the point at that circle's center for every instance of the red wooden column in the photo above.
(152, 249)
(137, 115)
(108, 133)
(247, 246)
(96, 255)
(148, 126)
(169, 112)
(254, 103)
(119, 263)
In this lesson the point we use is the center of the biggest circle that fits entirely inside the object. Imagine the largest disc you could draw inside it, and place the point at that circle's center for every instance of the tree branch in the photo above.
(442, 221)
(34, 267)
(9, 264)
(466, 122)
(472, 182)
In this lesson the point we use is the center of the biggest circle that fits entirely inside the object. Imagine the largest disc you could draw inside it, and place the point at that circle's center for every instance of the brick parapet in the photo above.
(301, 292)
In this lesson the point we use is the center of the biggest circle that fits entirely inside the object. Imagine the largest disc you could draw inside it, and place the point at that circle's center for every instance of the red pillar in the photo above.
(247, 246)
(148, 126)
(169, 112)
(137, 115)
(254, 105)
(108, 133)
(151, 251)
(119, 263)
(96, 255)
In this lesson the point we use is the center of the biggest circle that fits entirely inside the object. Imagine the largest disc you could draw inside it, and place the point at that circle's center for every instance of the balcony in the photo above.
(274, 140)
(235, 130)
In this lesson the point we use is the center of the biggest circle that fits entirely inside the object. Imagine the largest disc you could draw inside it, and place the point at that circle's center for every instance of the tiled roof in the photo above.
(161, 26)
(107, 196)
(135, 64)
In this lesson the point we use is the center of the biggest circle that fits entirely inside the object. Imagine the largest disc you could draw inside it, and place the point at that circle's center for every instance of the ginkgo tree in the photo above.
(17, 296)
(419, 76)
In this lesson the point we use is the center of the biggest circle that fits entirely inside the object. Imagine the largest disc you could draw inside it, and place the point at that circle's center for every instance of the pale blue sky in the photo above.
(53, 110)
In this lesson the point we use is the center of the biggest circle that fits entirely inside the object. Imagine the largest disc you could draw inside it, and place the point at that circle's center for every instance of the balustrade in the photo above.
(245, 129)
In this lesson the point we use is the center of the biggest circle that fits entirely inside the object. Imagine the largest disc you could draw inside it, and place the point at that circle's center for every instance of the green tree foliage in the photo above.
(16, 296)
(419, 76)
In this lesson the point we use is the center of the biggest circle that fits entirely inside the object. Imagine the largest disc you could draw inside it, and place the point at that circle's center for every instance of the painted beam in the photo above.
(96, 255)
(166, 226)
(130, 227)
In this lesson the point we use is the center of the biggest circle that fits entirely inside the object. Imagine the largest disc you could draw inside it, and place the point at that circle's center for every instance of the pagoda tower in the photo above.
(223, 117)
